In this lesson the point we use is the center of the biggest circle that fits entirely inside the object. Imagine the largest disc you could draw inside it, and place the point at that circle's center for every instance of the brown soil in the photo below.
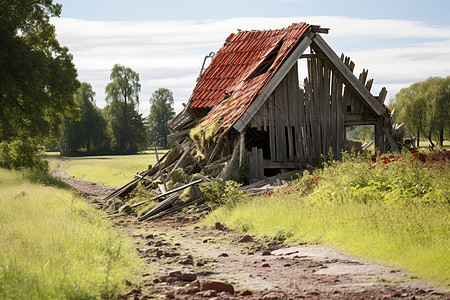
(257, 269)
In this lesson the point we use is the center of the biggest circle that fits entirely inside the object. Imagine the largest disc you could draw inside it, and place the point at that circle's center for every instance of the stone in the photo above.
(209, 294)
(245, 293)
(217, 286)
(220, 226)
(264, 265)
(188, 277)
(246, 239)
(176, 274)
(223, 255)
(266, 253)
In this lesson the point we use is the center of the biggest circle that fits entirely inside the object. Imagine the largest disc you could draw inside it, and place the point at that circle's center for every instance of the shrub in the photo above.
(24, 153)
(220, 192)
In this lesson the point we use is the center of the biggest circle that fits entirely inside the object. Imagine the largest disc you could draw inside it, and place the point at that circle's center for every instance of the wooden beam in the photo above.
(272, 84)
(241, 147)
(348, 75)
(391, 140)
(169, 192)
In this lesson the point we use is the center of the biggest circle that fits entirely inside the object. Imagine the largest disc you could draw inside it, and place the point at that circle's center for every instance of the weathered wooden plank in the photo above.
(159, 208)
(369, 84)
(272, 84)
(254, 166)
(327, 112)
(382, 95)
(348, 75)
(333, 112)
(309, 111)
(339, 117)
(391, 140)
(272, 131)
(260, 164)
(241, 147)
(179, 162)
(169, 192)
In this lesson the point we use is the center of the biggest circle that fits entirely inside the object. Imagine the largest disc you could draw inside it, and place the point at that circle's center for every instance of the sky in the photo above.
(399, 41)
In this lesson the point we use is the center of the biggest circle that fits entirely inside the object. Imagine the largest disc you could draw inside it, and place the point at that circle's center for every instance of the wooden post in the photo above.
(159, 163)
(241, 147)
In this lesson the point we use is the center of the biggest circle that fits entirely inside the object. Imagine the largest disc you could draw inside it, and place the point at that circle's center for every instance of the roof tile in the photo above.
(231, 69)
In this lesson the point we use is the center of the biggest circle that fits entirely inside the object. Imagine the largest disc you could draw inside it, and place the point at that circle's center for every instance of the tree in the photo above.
(37, 76)
(424, 108)
(87, 134)
(161, 112)
(410, 108)
(122, 93)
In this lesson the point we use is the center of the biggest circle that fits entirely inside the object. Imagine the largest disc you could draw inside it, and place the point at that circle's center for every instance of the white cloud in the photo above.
(170, 53)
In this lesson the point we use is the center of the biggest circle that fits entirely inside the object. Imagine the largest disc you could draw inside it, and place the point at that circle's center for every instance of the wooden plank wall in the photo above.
(305, 123)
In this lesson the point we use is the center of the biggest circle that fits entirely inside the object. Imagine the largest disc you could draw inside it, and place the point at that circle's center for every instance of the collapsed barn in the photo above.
(249, 107)
(250, 116)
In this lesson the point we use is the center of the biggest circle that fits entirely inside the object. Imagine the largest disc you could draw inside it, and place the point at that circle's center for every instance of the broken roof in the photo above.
(240, 69)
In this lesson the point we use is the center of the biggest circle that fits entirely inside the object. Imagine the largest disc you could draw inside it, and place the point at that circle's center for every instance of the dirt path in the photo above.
(187, 261)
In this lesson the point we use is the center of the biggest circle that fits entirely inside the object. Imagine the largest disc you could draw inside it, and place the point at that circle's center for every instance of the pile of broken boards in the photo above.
(176, 189)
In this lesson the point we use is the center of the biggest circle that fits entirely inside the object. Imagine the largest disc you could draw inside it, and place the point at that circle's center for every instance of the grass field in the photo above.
(54, 246)
(110, 170)
(397, 214)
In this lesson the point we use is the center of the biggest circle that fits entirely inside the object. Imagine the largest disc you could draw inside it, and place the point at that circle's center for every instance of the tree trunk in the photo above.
(441, 137)
(123, 140)
(418, 138)
(429, 139)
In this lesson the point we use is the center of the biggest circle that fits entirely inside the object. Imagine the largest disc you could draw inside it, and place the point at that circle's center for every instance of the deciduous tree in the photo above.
(122, 94)
(37, 76)
(424, 107)
(161, 112)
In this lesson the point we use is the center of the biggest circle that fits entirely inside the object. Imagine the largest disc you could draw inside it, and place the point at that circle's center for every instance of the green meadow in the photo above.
(54, 246)
(396, 213)
(109, 170)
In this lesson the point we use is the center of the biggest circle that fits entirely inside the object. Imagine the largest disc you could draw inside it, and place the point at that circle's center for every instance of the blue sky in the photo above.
(399, 41)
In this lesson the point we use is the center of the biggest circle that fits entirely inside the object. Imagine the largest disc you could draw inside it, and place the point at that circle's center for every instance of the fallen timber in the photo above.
(262, 119)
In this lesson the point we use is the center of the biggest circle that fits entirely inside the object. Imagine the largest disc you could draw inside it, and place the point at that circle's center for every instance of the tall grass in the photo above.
(54, 246)
(110, 170)
(397, 213)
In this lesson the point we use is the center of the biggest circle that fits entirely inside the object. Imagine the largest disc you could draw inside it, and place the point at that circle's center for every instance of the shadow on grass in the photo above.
(44, 178)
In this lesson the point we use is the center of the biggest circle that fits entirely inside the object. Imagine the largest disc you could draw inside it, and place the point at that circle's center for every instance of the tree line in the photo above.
(41, 99)
(424, 107)
(118, 128)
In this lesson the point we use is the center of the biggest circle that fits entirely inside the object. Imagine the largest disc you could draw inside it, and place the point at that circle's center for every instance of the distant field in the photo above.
(110, 170)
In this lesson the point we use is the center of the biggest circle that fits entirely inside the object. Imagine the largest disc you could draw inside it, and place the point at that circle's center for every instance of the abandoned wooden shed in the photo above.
(250, 106)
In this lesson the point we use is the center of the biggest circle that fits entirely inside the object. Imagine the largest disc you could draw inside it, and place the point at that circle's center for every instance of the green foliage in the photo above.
(360, 133)
(22, 153)
(202, 134)
(88, 134)
(54, 246)
(127, 126)
(220, 192)
(161, 112)
(397, 213)
(37, 76)
(424, 107)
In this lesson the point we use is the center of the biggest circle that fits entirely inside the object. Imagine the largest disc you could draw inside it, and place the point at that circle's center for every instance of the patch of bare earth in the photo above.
(185, 261)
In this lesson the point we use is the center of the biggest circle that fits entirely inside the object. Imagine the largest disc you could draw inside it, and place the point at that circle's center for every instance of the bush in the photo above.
(20, 154)
(220, 192)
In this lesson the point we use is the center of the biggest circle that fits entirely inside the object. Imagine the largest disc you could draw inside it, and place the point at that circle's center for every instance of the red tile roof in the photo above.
(229, 84)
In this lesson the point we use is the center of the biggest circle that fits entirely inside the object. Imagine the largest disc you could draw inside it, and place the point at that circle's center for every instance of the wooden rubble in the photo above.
(287, 127)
